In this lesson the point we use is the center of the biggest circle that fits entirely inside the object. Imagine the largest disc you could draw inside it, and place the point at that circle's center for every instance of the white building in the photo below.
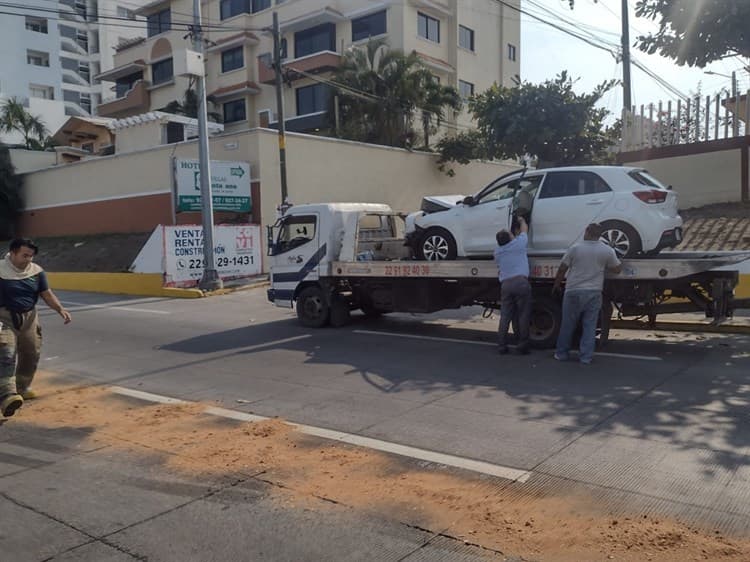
(52, 51)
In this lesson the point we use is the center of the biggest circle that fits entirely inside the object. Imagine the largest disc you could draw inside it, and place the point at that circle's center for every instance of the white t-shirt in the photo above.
(587, 261)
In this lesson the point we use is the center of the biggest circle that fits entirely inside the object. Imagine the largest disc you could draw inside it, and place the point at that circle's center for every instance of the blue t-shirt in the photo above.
(21, 295)
(511, 259)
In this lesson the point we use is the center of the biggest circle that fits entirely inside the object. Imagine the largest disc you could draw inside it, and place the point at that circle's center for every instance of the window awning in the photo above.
(121, 71)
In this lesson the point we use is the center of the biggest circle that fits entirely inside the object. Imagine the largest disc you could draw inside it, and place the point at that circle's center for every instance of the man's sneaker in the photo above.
(9, 404)
(29, 394)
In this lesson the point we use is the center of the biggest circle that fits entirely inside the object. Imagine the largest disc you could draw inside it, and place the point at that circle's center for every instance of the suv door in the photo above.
(491, 212)
(567, 202)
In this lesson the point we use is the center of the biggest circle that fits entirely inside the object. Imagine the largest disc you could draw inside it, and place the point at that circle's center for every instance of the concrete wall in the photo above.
(700, 173)
(132, 192)
(29, 160)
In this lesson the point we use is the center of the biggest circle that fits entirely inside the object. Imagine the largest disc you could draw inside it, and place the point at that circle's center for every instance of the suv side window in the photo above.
(572, 184)
(294, 231)
(505, 190)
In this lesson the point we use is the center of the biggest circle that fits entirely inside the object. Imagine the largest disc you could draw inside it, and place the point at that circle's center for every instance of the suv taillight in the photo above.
(651, 196)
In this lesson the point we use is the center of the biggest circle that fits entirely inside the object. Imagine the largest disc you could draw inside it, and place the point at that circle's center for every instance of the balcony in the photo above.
(317, 63)
(137, 100)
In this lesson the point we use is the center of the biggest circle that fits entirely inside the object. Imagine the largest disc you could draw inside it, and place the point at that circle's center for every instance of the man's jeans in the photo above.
(515, 304)
(581, 305)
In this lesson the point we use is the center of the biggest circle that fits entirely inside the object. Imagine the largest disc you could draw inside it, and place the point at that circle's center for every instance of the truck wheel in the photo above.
(312, 309)
(622, 237)
(546, 316)
(436, 244)
(340, 312)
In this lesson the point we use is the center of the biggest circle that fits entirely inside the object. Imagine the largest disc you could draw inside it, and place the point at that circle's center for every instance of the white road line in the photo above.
(470, 342)
(481, 467)
(112, 306)
(429, 338)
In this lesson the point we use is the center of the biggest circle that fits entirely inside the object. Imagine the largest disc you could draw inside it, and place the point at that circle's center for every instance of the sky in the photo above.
(546, 51)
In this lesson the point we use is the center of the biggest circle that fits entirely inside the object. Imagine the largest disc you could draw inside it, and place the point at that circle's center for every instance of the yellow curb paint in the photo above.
(139, 284)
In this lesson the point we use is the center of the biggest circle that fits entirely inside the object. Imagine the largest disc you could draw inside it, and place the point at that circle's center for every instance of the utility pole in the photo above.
(627, 102)
(736, 101)
(280, 111)
(210, 280)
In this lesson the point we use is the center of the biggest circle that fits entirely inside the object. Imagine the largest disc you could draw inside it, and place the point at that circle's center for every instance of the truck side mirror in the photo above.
(468, 201)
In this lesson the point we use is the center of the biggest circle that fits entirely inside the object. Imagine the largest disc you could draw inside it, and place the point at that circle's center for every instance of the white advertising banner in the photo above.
(236, 252)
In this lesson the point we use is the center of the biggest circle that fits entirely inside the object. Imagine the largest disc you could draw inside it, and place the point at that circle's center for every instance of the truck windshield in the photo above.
(291, 232)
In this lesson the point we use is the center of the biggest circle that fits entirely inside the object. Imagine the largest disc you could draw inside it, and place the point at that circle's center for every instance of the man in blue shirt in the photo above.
(515, 290)
(22, 282)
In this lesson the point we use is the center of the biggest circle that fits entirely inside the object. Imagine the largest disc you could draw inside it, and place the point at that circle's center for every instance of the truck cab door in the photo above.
(295, 254)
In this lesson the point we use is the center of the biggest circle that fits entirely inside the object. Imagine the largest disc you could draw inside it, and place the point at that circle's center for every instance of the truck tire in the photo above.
(340, 312)
(312, 309)
(546, 316)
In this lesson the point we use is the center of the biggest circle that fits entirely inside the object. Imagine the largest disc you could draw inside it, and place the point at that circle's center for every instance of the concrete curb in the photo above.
(136, 284)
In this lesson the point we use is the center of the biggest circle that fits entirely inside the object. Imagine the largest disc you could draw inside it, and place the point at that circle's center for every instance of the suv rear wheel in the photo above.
(622, 237)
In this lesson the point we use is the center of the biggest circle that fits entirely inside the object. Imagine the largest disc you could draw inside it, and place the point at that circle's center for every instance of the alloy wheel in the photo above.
(618, 239)
(435, 248)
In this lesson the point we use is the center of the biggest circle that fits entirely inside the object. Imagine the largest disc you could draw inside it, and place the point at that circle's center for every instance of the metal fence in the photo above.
(685, 121)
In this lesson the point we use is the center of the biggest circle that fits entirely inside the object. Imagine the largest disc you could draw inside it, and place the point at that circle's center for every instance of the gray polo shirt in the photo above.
(587, 262)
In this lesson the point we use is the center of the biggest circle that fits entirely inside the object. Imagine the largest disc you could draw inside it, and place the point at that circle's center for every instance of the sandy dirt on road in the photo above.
(477, 510)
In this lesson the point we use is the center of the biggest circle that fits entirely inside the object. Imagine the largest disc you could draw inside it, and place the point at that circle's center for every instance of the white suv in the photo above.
(638, 213)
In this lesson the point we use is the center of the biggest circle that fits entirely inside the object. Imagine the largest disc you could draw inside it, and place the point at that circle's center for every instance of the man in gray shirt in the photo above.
(585, 264)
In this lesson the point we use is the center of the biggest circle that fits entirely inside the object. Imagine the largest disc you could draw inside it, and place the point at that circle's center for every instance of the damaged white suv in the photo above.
(638, 213)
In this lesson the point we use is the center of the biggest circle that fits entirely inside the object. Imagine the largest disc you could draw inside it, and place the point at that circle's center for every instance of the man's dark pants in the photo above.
(515, 303)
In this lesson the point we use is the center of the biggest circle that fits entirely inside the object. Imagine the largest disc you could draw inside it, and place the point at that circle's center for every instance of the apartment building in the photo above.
(469, 44)
(52, 50)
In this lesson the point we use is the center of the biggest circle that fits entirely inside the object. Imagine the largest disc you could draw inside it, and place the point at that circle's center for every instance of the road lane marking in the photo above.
(492, 344)
(482, 467)
(79, 306)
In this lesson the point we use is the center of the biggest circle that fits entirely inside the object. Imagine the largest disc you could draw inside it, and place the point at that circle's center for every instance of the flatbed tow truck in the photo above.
(330, 259)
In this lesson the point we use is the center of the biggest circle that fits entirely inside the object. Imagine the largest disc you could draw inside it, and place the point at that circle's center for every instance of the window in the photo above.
(86, 102)
(159, 22)
(88, 147)
(428, 27)
(511, 52)
(43, 92)
(123, 12)
(162, 71)
(312, 99)
(234, 111)
(37, 58)
(369, 26)
(36, 24)
(291, 232)
(465, 37)
(572, 184)
(175, 132)
(231, 8)
(315, 39)
(466, 89)
(232, 59)
(84, 70)
(125, 84)
(644, 178)
(529, 184)
(71, 96)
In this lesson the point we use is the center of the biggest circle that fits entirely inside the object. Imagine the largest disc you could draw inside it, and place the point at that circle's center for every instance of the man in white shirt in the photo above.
(585, 264)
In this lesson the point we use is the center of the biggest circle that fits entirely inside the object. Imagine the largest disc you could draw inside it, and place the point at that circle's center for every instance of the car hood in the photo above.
(435, 203)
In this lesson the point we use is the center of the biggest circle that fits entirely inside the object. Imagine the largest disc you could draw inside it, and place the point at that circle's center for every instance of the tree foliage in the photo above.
(548, 121)
(384, 92)
(695, 32)
(188, 106)
(10, 195)
(15, 119)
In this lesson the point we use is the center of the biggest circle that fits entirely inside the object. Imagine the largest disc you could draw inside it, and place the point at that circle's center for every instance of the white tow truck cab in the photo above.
(332, 258)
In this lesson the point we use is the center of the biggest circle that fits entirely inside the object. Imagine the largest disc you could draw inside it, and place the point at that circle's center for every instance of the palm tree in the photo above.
(380, 91)
(188, 107)
(15, 118)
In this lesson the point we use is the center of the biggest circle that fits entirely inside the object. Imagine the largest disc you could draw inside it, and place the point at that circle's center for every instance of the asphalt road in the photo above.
(658, 424)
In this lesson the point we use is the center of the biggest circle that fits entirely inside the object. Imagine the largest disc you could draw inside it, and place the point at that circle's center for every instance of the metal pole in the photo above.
(280, 111)
(210, 280)
(625, 56)
(736, 112)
